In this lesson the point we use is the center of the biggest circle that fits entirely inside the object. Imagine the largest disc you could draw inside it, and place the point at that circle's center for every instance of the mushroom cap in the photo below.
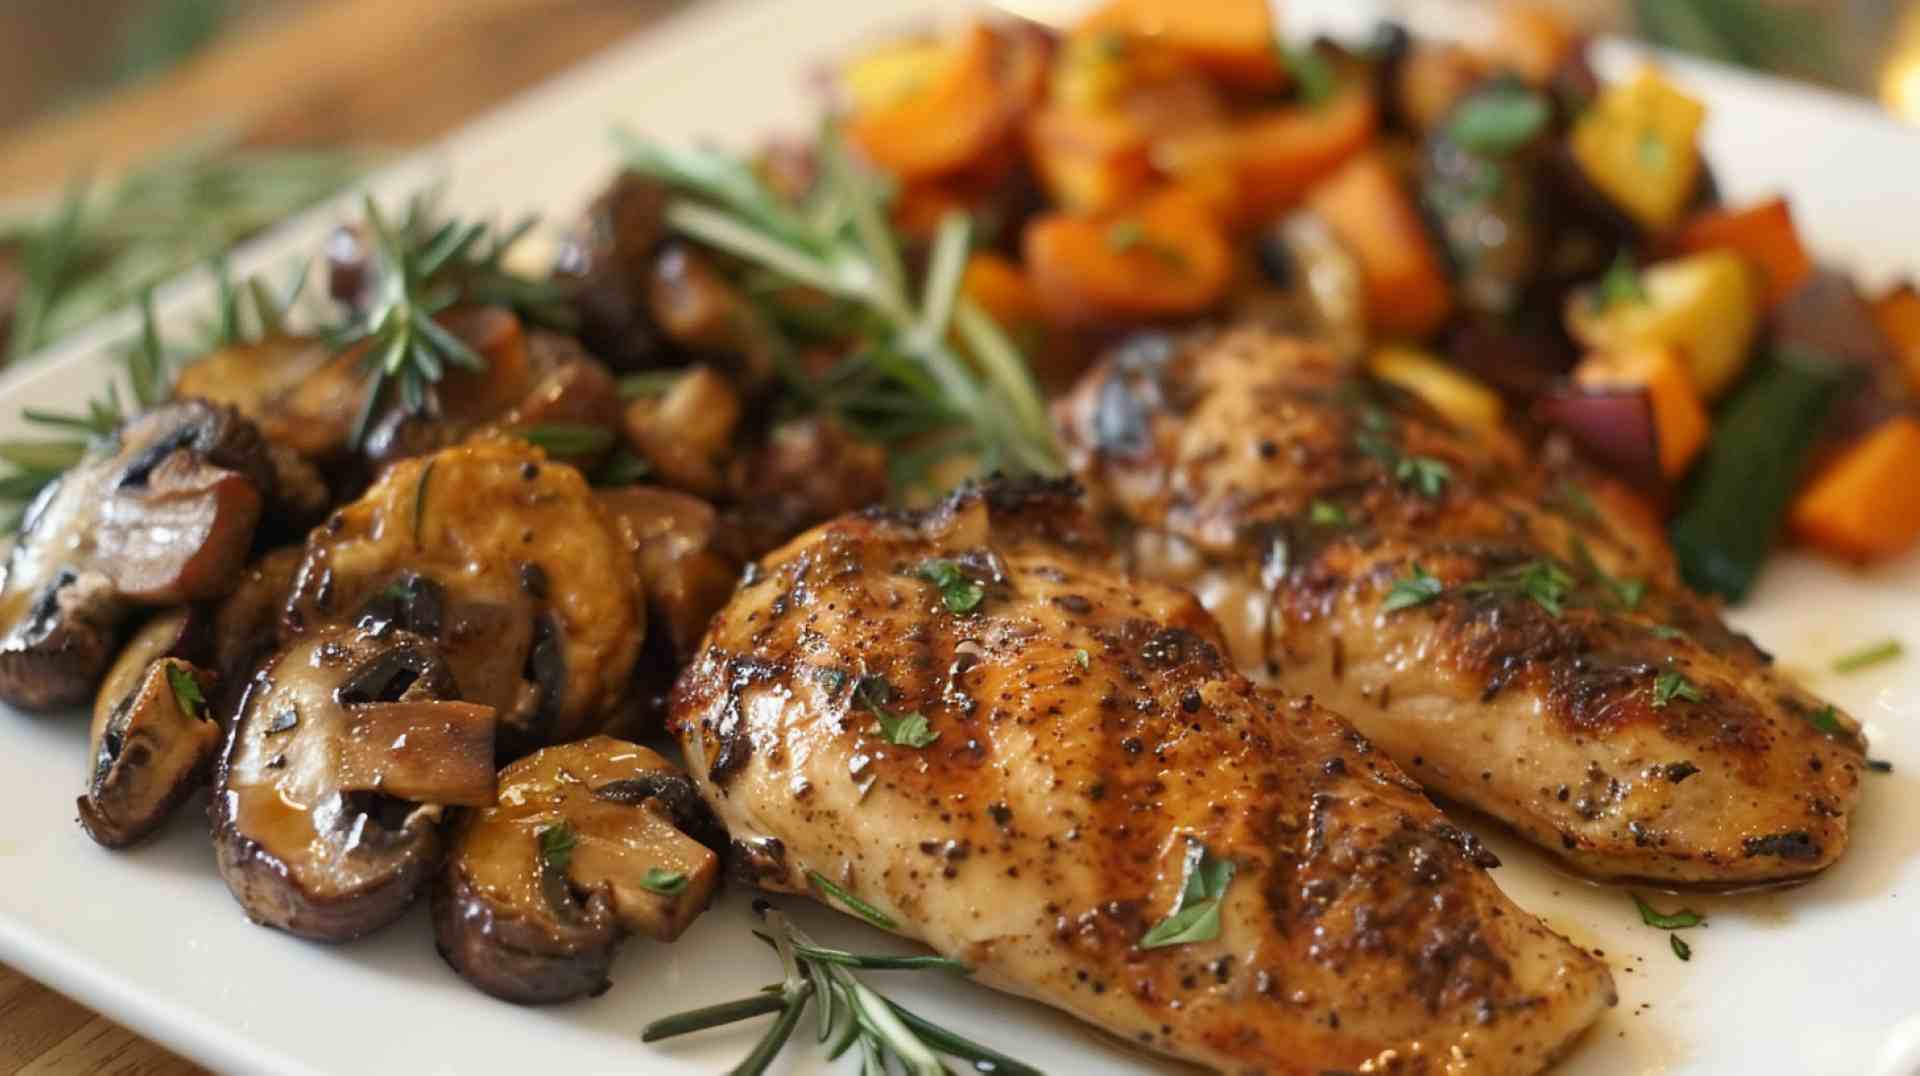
(154, 734)
(509, 562)
(327, 801)
(526, 921)
(160, 513)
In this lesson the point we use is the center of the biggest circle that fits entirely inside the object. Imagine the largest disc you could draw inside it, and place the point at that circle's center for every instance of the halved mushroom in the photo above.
(592, 841)
(506, 560)
(162, 513)
(246, 623)
(154, 733)
(339, 765)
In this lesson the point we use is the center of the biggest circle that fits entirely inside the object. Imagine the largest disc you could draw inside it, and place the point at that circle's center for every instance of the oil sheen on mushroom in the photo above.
(154, 734)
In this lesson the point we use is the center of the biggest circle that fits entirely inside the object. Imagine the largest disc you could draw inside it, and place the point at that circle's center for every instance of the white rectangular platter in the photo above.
(1824, 978)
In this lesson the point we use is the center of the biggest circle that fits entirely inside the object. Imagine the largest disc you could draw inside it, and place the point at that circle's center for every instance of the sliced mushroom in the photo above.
(592, 841)
(162, 513)
(342, 759)
(154, 733)
(508, 562)
(267, 381)
(246, 622)
(686, 432)
(687, 569)
(609, 259)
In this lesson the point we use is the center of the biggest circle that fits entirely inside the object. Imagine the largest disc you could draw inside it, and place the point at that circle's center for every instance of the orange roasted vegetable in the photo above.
(1089, 161)
(1372, 215)
(1168, 256)
(1531, 40)
(1865, 505)
(1281, 153)
(1679, 418)
(1638, 144)
(1232, 40)
(932, 111)
(1763, 234)
(1898, 314)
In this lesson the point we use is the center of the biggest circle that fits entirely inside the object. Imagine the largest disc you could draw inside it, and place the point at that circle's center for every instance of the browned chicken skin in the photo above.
(1087, 734)
(1555, 673)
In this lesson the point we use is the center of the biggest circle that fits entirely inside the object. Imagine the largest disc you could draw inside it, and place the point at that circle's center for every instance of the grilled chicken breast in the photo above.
(1472, 614)
(1018, 755)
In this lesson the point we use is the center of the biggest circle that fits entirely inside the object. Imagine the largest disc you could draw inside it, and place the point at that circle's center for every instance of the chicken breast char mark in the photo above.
(1513, 647)
(1089, 741)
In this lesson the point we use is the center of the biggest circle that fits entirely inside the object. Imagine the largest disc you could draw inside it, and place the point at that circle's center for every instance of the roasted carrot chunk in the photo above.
(1763, 234)
(946, 111)
(1866, 504)
(1371, 213)
(1680, 421)
(1231, 40)
(1531, 40)
(1898, 313)
(1280, 154)
(1090, 161)
(1166, 257)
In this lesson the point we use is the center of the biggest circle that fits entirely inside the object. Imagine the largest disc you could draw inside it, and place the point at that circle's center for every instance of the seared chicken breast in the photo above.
(1035, 764)
(1473, 615)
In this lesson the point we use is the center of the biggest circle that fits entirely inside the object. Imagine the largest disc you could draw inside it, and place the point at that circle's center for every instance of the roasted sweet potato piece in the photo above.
(1370, 211)
(1232, 40)
(957, 108)
(1168, 257)
(1865, 505)
(1281, 153)
(1898, 315)
(1762, 233)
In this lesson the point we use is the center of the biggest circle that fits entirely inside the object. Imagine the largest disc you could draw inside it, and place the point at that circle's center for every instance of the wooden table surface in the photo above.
(385, 73)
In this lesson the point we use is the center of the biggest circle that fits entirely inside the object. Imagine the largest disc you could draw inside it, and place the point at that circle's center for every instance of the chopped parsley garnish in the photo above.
(1327, 514)
(1570, 499)
(1196, 912)
(1680, 920)
(961, 594)
(1680, 947)
(904, 730)
(1499, 120)
(1083, 659)
(1670, 685)
(1542, 580)
(1884, 650)
(1661, 631)
(186, 691)
(664, 882)
(556, 846)
(1827, 720)
(1424, 473)
(1621, 284)
(1416, 589)
(859, 907)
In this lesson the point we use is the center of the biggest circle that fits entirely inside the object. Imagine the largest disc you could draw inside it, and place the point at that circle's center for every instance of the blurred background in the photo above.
(138, 137)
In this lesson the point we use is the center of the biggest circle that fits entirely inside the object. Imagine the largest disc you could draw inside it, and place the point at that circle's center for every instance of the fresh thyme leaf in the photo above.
(1670, 685)
(1680, 948)
(1542, 580)
(664, 882)
(961, 594)
(904, 730)
(1312, 73)
(567, 438)
(1680, 920)
(1424, 473)
(186, 691)
(1196, 911)
(1620, 285)
(1626, 593)
(556, 846)
(1418, 588)
(622, 468)
(1827, 720)
(859, 907)
(1327, 514)
(1866, 657)
(1499, 119)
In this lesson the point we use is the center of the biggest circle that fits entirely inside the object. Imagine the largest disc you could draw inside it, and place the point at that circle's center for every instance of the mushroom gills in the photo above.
(153, 737)
(590, 842)
(346, 750)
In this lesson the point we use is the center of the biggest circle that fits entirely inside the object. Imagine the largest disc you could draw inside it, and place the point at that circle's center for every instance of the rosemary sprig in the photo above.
(424, 266)
(103, 245)
(849, 1011)
(929, 360)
